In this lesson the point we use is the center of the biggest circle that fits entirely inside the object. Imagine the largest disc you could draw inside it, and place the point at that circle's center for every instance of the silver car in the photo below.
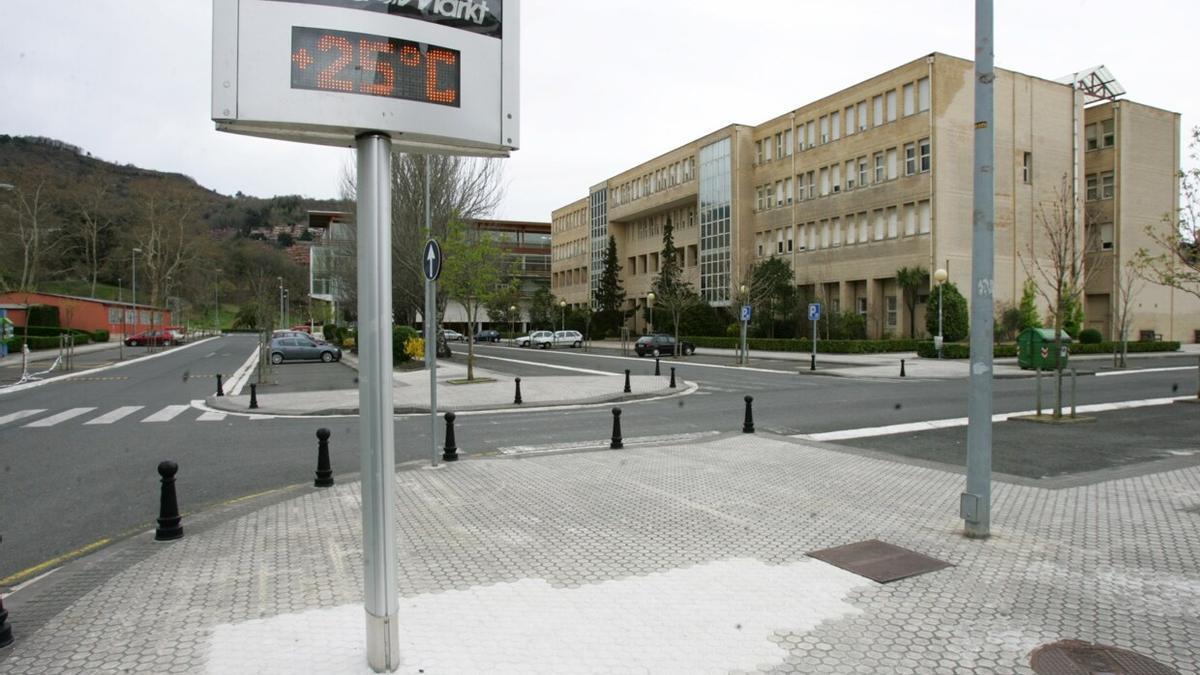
(302, 349)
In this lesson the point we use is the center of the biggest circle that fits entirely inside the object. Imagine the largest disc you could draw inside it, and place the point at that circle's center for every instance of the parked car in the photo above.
(293, 348)
(283, 332)
(453, 335)
(487, 336)
(151, 337)
(562, 338)
(178, 334)
(534, 338)
(661, 345)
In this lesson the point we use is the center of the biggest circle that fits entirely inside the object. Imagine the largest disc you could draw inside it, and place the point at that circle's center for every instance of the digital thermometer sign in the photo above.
(440, 76)
(332, 60)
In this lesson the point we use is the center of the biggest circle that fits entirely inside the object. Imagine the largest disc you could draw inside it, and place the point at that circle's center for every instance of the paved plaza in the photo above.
(654, 559)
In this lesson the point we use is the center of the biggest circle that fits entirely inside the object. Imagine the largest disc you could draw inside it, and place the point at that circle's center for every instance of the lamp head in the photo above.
(940, 275)
(650, 296)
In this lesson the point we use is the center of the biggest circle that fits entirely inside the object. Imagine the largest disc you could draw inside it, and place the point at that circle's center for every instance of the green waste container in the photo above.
(1036, 349)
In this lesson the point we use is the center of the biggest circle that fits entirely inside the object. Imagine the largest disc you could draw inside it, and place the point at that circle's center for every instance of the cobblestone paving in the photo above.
(1114, 562)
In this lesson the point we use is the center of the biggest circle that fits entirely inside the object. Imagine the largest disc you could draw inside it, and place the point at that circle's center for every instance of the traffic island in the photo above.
(1051, 419)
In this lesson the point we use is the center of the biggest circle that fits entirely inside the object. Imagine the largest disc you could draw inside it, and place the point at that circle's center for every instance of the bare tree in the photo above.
(94, 221)
(474, 275)
(1176, 260)
(1127, 286)
(28, 212)
(1057, 259)
(162, 236)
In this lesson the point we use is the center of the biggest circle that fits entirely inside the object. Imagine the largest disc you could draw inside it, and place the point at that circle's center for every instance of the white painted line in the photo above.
(604, 443)
(101, 369)
(110, 417)
(242, 375)
(636, 359)
(909, 427)
(26, 584)
(547, 365)
(211, 417)
(60, 417)
(166, 414)
(20, 414)
(1113, 373)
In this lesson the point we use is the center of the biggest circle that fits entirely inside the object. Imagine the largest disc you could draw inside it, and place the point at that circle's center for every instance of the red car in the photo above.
(152, 337)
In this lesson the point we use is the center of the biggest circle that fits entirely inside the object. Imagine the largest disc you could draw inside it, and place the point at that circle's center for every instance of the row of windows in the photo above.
(861, 172)
(907, 220)
(569, 277)
(675, 174)
(569, 249)
(1100, 134)
(649, 263)
(570, 221)
(1101, 185)
(854, 118)
(652, 227)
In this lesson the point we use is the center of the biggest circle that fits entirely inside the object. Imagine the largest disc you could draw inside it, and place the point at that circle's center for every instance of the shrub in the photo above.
(100, 335)
(400, 336)
(415, 348)
(1090, 336)
(329, 332)
(955, 319)
(42, 315)
(962, 350)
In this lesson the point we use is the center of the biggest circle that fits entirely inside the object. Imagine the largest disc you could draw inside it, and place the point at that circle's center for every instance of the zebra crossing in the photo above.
(42, 418)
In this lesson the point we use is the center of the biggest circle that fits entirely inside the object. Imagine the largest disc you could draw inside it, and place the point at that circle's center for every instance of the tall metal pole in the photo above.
(431, 328)
(136, 317)
(280, 280)
(975, 505)
(376, 432)
(940, 338)
(124, 316)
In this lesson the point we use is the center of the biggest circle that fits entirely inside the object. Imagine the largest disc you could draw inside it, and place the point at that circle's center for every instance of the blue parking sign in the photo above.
(746, 312)
(814, 311)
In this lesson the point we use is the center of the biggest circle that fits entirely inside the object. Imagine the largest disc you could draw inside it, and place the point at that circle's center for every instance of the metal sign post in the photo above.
(814, 315)
(431, 264)
(377, 451)
(746, 312)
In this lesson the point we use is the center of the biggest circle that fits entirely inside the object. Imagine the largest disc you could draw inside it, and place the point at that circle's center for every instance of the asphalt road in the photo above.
(76, 482)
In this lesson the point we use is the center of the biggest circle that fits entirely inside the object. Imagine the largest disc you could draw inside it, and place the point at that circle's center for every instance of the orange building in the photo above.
(88, 314)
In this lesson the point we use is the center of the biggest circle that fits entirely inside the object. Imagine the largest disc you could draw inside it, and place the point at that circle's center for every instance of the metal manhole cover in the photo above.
(878, 560)
(1076, 657)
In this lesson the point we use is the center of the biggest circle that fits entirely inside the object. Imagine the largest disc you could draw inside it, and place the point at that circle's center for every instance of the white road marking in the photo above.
(865, 432)
(166, 414)
(211, 417)
(1113, 373)
(60, 417)
(111, 366)
(242, 375)
(689, 364)
(20, 414)
(110, 417)
(548, 365)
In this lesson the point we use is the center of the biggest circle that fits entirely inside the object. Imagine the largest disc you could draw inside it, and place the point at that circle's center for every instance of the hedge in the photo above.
(47, 331)
(805, 345)
(100, 335)
(38, 342)
(958, 350)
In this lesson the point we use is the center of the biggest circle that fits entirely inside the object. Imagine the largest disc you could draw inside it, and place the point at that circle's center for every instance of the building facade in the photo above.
(851, 188)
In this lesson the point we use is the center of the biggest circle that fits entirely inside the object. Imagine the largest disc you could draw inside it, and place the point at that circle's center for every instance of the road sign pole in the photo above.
(376, 431)
(431, 329)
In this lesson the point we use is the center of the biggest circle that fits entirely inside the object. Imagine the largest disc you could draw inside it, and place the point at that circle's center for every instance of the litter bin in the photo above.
(1036, 349)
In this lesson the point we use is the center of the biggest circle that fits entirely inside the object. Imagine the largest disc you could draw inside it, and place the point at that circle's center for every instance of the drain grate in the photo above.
(879, 561)
(1076, 657)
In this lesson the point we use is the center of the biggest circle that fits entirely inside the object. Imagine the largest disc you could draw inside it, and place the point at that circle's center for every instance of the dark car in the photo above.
(487, 336)
(302, 349)
(661, 345)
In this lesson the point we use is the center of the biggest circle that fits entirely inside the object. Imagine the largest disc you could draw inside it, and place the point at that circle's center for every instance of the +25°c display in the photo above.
(376, 65)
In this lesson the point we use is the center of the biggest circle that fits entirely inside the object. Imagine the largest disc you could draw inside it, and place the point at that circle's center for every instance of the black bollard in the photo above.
(672, 377)
(324, 470)
(517, 396)
(748, 423)
(253, 396)
(450, 452)
(656, 370)
(6, 637)
(169, 526)
(812, 363)
(220, 389)
(628, 389)
(616, 443)
(901, 367)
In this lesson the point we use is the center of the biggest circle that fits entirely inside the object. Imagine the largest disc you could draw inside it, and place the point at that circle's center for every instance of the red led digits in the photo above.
(369, 59)
(327, 78)
(410, 55)
(433, 57)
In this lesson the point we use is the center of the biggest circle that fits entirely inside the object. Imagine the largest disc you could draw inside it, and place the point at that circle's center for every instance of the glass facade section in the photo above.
(598, 212)
(715, 199)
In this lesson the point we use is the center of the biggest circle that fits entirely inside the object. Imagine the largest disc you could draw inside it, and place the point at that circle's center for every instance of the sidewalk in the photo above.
(410, 392)
(670, 559)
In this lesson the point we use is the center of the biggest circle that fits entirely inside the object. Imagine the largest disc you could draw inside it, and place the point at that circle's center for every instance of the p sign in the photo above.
(746, 310)
(814, 311)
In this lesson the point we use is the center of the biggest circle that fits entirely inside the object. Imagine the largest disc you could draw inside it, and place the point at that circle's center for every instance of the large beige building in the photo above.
(854, 186)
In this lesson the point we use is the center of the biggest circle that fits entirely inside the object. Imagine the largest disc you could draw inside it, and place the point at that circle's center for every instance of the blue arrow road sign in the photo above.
(814, 311)
(745, 312)
(431, 260)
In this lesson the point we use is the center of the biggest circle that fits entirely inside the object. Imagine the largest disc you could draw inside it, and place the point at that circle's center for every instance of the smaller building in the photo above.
(89, 314)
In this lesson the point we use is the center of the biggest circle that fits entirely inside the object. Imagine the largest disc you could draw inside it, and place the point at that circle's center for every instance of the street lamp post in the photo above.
(217, 301)
(512, 324)
(121, 305)
(136, 317)
(650, 303)
(280, 280)
(745, 327)
(940, 276)
(562, 314)
(287, 309)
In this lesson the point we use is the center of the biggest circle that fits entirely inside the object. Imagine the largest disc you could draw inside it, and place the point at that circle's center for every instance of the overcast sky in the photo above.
(605, 84)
